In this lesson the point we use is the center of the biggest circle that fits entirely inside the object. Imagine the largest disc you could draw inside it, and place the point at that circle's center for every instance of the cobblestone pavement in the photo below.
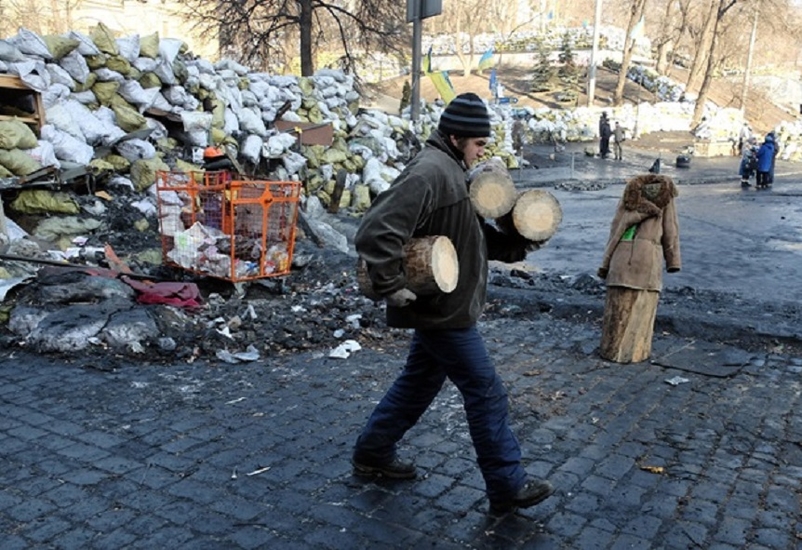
(106, 454)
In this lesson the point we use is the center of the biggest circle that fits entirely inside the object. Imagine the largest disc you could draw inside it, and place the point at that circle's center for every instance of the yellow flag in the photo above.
(443, 86)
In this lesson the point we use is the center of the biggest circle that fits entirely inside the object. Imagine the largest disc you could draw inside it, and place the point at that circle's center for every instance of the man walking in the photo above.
(430, 197)
(619, 135)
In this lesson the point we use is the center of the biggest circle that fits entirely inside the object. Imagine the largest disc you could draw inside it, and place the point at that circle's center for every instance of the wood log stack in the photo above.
(430, 264)
(534, 214)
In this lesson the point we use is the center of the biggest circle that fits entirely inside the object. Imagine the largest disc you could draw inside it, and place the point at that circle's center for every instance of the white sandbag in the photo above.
(85, 44)
(93, 129)
(159, 130)
(86, 97)
(293, 162)
(60, 118)
(121, 181)
(111, 131)
(60, 76)
(230, 122)
(373, 178)
(9, 52)
(162, 104)
(3, 67)
(129, 47)
(104, 74)
(67, 147)
(177, 95)
(45, 154)
(231, 65)
(196, 120)
(252, 148)
(55, 94)
(210, 82)
(249, 99)
(198, 138)
(133, 92)
(250, 121)
(164, 70)
(145, 64)
(33, 73)
(277, 145)
(169, 48)
(30, 43)
(75, 65)
(203, 65)
(135, 149)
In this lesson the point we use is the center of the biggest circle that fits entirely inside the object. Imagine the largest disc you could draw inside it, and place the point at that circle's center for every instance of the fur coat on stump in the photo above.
(643, 233)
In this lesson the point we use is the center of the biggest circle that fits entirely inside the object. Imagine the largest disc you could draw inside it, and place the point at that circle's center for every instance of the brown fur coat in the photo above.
(648, 204)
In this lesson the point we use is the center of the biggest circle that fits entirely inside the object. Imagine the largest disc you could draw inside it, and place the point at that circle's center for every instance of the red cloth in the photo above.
(169, 293)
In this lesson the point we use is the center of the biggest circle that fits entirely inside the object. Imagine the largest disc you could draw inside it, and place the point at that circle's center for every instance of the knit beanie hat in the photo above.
(465, 116)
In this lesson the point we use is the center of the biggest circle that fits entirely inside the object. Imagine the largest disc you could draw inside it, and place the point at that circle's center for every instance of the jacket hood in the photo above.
(649, 194)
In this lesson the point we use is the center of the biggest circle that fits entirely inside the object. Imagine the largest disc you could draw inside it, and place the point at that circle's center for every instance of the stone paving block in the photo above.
(253, 537)
(168, 536)
(591, 538)
(775, 538)
(565, 524)
(630, 542)
(78, 537)
(45, 530)
(118, 538)
(85, 476)
(111, 519)
(30, 509)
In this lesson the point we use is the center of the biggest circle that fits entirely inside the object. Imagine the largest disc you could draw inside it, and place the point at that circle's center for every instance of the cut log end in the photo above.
(431, 267)
(492, 190)
(537, 215)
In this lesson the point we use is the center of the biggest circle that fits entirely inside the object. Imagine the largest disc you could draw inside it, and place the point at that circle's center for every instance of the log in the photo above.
(430, 263)
(628, 324)
(491, 189)
(535, 216)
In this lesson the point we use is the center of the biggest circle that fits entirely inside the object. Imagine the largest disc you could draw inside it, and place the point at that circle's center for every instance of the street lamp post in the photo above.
(417, 11)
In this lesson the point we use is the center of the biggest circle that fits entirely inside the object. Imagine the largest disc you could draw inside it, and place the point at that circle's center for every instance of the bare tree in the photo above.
(260, 30)
(463, 21)
(636, 11)
(48, 17)
(722, 7)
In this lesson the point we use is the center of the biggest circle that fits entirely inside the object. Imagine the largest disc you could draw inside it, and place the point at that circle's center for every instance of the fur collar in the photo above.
(635, 199)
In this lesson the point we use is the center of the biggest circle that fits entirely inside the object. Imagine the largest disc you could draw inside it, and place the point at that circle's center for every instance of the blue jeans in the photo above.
(461, 356)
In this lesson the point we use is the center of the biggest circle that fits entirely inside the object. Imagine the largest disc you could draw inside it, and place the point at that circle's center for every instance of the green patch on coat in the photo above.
(629, 234)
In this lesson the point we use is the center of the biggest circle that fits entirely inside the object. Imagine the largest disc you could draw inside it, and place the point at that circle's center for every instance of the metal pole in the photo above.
(748, 69)
(416, 57)
(594, 53)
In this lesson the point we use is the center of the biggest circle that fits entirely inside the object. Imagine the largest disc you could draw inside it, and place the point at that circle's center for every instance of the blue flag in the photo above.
(486, 61)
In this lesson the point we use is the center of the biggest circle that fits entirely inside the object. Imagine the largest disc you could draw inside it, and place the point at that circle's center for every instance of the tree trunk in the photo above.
(637, 9)
(430, 264)
(699, 108)
(628, 324)
(702, 54)
(305, 28)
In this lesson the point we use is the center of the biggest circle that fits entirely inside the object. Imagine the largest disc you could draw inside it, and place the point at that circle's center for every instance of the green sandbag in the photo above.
(101, 165)
(95, 62)
(43, 201)
(119, 64)
(149, 46)
(103, 38)
(60, 46)
(143, 172)
(15, 134)
(119, 163)
(360, 199)
(91, 79)
(128, 118)
(104, 91)
(188, 167)
(18, 162)
(4, 173)
(150, 80)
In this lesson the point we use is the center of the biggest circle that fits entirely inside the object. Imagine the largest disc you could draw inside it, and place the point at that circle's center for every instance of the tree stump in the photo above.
(535, 216)
(430, 263)
(628, 324)
(491, 189)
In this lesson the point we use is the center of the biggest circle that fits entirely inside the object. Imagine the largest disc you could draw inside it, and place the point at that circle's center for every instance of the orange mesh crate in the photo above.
(232, 229)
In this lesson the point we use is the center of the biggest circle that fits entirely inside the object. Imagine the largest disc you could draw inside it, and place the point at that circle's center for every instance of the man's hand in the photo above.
(400, 298)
